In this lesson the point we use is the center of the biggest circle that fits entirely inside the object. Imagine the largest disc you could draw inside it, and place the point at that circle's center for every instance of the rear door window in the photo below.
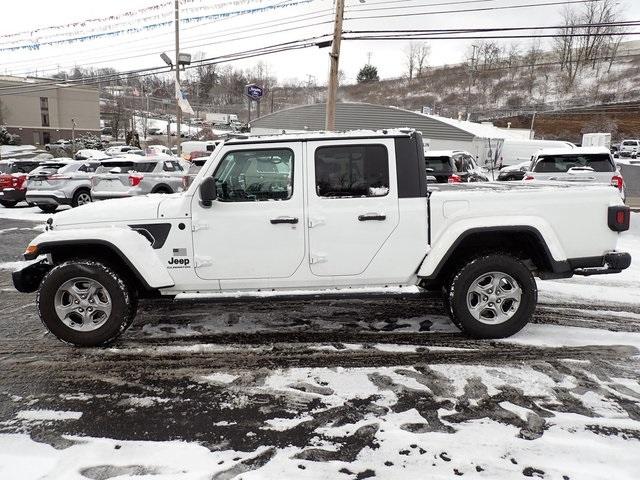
(562, 163)
(171, 166)
(352, 171)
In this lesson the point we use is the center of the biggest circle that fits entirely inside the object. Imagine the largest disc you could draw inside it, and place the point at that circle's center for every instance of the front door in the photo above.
(353, 204)
(255, 229)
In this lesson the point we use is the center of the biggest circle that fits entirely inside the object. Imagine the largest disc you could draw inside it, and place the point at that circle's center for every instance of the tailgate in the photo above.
(110, 182)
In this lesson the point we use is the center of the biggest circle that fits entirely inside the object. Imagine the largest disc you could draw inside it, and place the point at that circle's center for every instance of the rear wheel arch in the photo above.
(162, 188)
(523, 242)
(77, 193)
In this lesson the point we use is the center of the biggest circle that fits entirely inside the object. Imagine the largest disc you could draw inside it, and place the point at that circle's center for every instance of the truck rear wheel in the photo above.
(8, 203)
(492, 296)
(85, 303)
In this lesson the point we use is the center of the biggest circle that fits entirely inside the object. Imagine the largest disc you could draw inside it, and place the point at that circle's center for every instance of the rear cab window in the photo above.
(438, 164)
(599, 162)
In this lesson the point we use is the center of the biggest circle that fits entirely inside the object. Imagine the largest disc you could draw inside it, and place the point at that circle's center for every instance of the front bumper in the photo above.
(53, 198)
(28, 278)
(610, 262)
(12, 195)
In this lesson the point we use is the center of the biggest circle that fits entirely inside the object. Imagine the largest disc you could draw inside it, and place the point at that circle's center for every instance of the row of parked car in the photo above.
(124, 171)
(580, 164)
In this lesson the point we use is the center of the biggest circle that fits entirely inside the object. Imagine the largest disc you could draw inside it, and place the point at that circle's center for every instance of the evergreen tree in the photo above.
(368, 73)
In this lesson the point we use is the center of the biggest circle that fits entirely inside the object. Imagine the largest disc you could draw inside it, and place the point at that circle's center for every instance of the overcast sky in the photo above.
(387, 56)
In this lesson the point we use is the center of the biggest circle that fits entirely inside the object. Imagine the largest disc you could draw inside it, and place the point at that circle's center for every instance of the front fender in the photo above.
(454, 233)
(131, 247)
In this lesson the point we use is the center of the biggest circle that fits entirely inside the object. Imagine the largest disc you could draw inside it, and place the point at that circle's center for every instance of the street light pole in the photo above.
(332, 88)
(178, 110)
(73, 137)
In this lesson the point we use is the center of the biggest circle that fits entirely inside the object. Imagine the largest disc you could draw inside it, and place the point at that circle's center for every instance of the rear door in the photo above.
(352, 203)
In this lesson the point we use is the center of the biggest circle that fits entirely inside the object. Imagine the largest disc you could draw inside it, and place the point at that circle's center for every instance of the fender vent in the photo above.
(156, 233)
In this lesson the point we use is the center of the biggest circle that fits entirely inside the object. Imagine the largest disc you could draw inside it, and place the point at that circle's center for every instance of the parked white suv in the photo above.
(131, 175)
(593, 165)
(69, 185)
(322, 213)
(629, 148)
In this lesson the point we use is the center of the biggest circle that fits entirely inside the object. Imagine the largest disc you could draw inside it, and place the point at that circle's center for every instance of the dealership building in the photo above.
(41, 111)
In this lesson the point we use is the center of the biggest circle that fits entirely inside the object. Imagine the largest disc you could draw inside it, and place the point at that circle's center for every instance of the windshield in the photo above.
(562, 163)
(141, 167)
(438, 164)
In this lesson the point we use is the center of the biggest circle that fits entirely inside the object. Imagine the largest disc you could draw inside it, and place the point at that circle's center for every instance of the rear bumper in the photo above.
(54, 198)
(610, 262)
(12, 195)
(109, 195)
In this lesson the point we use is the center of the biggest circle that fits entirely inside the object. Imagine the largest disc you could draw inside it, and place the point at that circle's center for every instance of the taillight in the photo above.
(617, 181)
(618, 218)
(58, 177)
(18, 182)
(454, 179)
(528, 177)
(134, 180)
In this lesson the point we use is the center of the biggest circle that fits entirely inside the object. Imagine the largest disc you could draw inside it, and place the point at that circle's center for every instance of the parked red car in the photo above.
(13, 180)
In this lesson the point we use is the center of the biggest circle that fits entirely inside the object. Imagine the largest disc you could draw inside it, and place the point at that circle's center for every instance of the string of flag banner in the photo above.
(130, 23)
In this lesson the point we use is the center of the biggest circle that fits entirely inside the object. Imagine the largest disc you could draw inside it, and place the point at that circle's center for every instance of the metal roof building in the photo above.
(439, 133)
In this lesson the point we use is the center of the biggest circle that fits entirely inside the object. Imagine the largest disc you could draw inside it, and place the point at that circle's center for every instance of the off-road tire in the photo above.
(76, 196)
(48, 208)
(124, 302)
(8, 203)
(458, 287)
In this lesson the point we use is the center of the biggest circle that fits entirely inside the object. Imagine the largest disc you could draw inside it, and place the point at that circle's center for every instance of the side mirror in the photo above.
(208, 191)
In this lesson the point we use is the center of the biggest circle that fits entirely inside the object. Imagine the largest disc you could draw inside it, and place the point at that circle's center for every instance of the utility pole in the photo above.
(178, 110)
(471, 70)
(533, 121)
(332, 88)
(73, 137)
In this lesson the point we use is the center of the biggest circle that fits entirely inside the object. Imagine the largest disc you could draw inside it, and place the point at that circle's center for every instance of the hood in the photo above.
(122, 210)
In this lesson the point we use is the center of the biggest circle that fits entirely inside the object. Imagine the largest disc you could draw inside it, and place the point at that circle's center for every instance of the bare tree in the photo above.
(588, 37)
(410, 53)
(423, 51)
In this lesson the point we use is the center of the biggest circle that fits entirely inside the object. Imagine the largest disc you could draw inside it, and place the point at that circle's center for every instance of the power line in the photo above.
(96, 80)
(250, 27)
(468, 10)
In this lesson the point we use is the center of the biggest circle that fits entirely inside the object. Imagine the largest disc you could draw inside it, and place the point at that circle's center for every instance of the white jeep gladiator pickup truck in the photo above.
(321, 213)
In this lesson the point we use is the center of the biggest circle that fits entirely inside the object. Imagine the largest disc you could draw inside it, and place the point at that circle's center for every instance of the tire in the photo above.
(48, 208)
(485, 316)
(164, 190)
(8, 203)
(81, 197)
(77, 276)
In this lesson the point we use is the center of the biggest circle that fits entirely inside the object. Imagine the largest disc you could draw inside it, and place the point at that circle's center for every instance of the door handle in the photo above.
(277, 220)
(372, 216)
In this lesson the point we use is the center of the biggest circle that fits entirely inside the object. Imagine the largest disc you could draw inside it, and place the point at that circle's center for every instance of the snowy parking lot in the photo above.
(379, 388)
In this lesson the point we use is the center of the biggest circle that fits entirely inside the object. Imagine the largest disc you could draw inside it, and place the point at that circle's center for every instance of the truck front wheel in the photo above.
(492, 296)
(85, 303)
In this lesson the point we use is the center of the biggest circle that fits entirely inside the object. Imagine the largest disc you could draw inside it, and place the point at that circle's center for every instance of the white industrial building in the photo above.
(485, 141)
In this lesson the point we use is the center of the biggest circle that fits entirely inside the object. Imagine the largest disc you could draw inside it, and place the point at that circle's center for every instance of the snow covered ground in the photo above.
(328, 390)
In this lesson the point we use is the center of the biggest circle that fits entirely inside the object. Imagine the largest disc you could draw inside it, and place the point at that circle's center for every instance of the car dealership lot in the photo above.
(333, 388)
